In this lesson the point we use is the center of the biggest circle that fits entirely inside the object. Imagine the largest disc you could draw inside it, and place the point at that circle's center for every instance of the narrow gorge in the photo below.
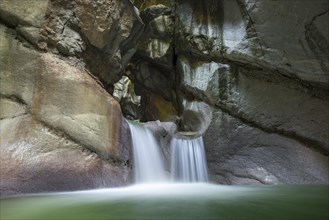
(249, 76)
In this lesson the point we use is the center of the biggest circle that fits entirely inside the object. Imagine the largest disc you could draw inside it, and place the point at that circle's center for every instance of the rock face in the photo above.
(252, 77)
(241, 154)
(60, 129)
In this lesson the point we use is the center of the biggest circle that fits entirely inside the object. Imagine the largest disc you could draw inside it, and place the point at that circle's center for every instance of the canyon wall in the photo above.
(251, 76)
(60, 127)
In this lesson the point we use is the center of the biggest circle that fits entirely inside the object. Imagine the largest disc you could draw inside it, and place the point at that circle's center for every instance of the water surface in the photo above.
(175, 201)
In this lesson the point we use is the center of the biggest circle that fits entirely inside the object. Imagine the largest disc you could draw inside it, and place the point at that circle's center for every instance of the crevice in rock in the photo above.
(175, 59)
(235, 113)
(251, 31)
(275, 75)
(84, 147)
(12, 29)
(227, 173)
(310, 143)
(21, 38)
(16, 116)
(317, 42)
(14, 98)
(58, 132)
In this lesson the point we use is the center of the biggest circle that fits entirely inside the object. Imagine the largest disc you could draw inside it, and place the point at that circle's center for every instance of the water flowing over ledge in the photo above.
(188, 160)
(148, 162)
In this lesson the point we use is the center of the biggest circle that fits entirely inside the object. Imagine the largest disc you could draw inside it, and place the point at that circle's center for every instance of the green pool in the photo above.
(175, 201)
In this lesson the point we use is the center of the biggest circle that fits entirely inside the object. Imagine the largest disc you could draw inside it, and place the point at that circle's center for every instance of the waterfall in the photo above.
(188, 160)
(148, 162)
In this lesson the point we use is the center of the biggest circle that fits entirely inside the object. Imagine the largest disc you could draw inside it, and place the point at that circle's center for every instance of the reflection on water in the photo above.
(174, 201)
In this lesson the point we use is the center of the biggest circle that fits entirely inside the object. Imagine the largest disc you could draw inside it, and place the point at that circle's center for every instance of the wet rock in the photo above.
(196, 116)
(106, 21)
(246, 31)
(202, 79)
(26, 13)
(130, 103)
(157, 108)
(71, 43)
(277, 107)
(44, 80)
(26, 16)
(102, 34)
(46, 103)
(31, 34)
(152, 78)
(163, 133)
(36, 158)
(11, 108)
(288, 50)
(155, 6)
(198, 26)
(240, 154)
(156, 44)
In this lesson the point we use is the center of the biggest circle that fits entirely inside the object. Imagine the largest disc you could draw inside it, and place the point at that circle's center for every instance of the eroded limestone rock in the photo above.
(36, 158)
(51, 112)
(202, 79)
(124, 93)
(240, 154)
(26, 13)
(267, 34)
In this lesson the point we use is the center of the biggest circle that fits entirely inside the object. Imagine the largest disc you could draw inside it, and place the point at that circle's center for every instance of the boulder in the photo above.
(36, 158)
(157, 108)
(60, 130)
(238, 153)
(130, 103)
(25, 13)
(26, 16)
(202, 79)
(247, 32)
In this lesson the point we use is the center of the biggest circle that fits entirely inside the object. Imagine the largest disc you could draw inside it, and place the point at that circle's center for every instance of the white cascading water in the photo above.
(148, 162)
(188, 160)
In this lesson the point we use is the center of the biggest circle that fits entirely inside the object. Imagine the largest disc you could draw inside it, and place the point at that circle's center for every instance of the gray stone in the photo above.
(106, 23)
(198, 26)
(288, 51)
(247, 32)
(160, 27)
(240, 154)
(156, 44)
(201, 78)
(160, 51)
(274, 106)
(11, 108)
(50, 88)
(31, 34)
(28, 13)
(130, 103)
(196, 116)
(71, 43)
(153, 10)
(35, 158)
(102, 34)
(154, 79)
(320, 22)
